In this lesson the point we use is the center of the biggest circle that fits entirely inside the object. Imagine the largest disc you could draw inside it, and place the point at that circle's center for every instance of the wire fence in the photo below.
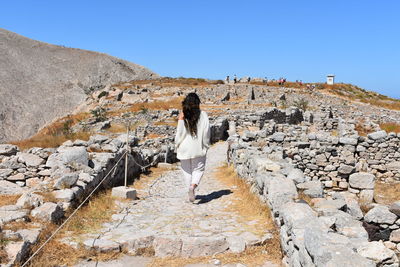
(111, 171)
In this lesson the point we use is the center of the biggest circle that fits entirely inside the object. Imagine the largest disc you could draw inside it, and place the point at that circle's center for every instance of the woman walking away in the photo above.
(192, 141)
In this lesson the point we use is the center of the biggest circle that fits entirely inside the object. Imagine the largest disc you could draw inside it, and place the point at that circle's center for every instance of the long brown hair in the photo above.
(191, 111)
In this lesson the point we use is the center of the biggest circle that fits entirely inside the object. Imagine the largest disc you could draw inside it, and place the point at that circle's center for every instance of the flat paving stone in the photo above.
(164, 213)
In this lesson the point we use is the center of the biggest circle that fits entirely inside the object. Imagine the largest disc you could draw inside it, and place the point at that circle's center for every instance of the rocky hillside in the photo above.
(40, 81)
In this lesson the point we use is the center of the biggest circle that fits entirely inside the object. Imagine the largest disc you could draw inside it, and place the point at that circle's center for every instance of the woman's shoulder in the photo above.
(204, 114)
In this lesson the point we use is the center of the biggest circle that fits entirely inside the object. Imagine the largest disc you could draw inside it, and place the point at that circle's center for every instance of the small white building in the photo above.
(330, 79)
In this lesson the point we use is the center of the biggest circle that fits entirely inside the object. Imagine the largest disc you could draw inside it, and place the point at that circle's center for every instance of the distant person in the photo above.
(192, 141)
(234, 79)
(248, 79)
(227, 79)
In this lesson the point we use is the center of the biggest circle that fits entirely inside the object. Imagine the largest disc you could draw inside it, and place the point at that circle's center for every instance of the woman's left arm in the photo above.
(206, 132)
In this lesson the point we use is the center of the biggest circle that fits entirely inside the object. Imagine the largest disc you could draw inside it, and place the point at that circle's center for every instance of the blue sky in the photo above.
(357, 40)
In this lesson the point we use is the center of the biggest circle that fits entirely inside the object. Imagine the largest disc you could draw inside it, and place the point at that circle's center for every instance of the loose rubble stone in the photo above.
(48, 212)
(362, 180)
(377, 252)
(66, 181)
(377, 135)
(8, 150)
(16, 177)
(30, 200)
(380, 214)
(17, 251)
(12, 213)
(8, 188)
(395, 208)
(395, 236)
(30, 160)
(296, 175)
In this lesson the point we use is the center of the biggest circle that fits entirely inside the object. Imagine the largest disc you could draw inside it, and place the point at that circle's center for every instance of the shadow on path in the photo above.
(214, 195)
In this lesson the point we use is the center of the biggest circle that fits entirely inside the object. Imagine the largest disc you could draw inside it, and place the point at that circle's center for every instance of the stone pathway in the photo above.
(166, 222)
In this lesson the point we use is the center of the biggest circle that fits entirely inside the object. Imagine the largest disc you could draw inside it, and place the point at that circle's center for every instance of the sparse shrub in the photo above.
(283, 104)
(67, 130)
(273, 103)
(390, 127)
(102, 94)
(144, 110)
(100, 114)
(301, 104)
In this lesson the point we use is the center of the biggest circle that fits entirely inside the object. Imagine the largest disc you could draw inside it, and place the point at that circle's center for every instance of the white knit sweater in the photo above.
(188, 146)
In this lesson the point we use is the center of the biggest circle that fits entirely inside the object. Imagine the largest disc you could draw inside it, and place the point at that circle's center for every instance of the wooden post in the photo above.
(126, 156)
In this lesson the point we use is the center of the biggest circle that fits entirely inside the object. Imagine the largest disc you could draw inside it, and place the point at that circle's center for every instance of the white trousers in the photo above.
(193, 170)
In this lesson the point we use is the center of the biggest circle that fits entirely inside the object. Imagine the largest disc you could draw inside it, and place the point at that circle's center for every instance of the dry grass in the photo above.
(248, 205)
(49, 140)
(8, 200)
(390, 127)
(3, 253)
(361, 129)
(171, 82)
(56, 253)
(250, 208)
(47, 197)
(153, 136)
(167, 123)
(145, 180)
(253, 256)
(91, 216)
(117, 128)
(18, 225)
(157, 105)
(306, 198)
(386, 193)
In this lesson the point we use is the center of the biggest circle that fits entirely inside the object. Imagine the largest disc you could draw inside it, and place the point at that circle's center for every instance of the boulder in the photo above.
(377, 135)
(395, 236)
(313, 189)
(17, 251)
(236, 244)
(278, 137)
(8, 188)
(30, 160)
(362, 180)
(377, 252)
(296, 175)
(16, 177)
(12, 213)
(66, 181)
(395, 208)
(4, 173)
(64, 195)
(30, 200)
(8, 150)
(281, 191)
(264, 164)
(380, 214)
(296, 215)
(345, 169)
(348, 141)
(68, 155)
(393, 166)
(48, 212)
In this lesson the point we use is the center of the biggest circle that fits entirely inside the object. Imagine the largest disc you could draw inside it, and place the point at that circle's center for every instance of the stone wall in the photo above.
(328, 234)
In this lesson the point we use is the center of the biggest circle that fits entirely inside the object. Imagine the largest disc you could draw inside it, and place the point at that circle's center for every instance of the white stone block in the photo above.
(124, 192)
